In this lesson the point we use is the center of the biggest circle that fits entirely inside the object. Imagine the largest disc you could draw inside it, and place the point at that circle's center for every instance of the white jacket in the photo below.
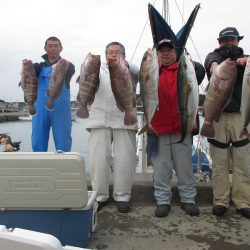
(104, 112)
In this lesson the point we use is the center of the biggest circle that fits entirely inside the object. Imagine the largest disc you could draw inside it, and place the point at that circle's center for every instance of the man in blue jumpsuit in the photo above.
(60, 118)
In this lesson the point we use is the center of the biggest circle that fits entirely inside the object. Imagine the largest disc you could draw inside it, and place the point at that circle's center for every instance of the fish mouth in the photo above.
(112, 61)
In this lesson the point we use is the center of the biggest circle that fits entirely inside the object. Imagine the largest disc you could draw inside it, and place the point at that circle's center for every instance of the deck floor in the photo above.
(139, 229)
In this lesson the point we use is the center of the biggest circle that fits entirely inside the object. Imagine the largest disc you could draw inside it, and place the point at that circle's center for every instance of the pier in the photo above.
(12, 116)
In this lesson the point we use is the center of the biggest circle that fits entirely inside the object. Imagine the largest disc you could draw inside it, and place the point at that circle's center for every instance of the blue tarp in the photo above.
(204, 162)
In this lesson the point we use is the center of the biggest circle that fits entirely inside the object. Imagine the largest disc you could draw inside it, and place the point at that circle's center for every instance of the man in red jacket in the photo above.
(168, 155)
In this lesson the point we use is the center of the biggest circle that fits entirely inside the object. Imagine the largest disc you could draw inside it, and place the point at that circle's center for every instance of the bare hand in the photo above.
(241, 61)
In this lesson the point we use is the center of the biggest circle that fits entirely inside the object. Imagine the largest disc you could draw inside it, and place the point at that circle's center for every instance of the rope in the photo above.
(139, 40)
(140, 37)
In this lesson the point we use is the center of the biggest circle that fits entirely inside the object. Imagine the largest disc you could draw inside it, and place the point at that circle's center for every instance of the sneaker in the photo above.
(245, 212)
(190, 209)
(101, 204)
(123, 206)
(162, 210)
(219, 210)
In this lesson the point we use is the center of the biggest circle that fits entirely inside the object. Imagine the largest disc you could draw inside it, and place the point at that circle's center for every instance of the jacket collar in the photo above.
(45, 57)
(171, 66)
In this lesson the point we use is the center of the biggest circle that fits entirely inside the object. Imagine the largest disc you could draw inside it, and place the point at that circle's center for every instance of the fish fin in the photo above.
(78, 97)
(91, 100)
(207, 130)
(134, 102)
(50, 104)
(143, 130)
(32, 110)
(120, 107)
(217, 117)
(182, 138)
(152, 128)
(146, 128)
(78, 79)
(130, 117)
(244, 131)
(82, 112)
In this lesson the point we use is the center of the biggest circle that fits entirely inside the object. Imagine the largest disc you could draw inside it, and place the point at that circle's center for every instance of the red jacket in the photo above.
(166, 119)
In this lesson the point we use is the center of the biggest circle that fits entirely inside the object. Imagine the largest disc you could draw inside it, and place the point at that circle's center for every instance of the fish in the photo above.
(188, 95)
(88, 83)
(149, 80)
(245, 100)
(56, 82)
(123, 89)
(29, 84)
(193, 96)
(218, 95)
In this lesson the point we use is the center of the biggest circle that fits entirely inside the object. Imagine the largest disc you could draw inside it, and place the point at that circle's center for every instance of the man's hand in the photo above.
(214, 65)
(241, 61)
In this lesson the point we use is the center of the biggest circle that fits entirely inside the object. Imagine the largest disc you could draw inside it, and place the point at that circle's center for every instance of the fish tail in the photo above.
(182, 138)
(207, 130)
(244, 131)
(82, 112)
(130, 117)
(50, 104)
(144, 129)
(32, 110)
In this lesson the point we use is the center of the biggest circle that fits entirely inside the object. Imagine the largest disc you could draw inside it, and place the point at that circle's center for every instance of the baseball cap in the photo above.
(165, 42)
(229, 32)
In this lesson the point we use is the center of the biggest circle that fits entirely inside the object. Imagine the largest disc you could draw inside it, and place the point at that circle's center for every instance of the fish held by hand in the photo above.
(29, 84)
(219, 93)
(88, 83)
(123, 89)
(56, 82)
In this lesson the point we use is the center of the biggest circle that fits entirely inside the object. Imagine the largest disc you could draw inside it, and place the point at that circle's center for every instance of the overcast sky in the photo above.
(88, 25)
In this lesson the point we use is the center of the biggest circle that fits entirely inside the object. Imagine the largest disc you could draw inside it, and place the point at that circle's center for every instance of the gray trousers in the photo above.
(178, 157)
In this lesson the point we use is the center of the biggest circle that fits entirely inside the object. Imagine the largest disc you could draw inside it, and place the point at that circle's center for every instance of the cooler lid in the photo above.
(31, 180)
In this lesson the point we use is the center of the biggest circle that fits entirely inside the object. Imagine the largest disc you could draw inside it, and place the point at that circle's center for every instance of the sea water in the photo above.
(21, 131)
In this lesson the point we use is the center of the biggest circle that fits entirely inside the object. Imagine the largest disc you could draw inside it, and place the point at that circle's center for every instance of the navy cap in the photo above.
(166, 42)
(229, 32)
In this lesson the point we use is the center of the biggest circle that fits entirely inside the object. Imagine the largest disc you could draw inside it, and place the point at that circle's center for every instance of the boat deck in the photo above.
(139, 229)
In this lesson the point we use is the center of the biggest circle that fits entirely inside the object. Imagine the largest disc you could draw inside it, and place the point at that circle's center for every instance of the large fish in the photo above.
(56, 82)
(88, 83)
(193, 96)
(187, 90)
(149, 78)
(245, 100)
(29, 84)
(220, 90)
(123, 89)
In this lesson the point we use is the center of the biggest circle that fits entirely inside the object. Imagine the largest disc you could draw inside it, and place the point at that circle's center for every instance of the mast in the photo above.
(166, 10)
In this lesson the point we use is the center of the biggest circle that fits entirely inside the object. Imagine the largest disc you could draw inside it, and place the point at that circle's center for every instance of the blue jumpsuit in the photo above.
(59, 119)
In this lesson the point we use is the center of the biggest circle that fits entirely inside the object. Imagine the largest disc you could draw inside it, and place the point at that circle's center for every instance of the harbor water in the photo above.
(21, 131)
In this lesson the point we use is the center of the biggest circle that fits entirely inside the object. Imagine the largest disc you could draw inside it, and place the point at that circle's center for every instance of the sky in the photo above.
(89, 25)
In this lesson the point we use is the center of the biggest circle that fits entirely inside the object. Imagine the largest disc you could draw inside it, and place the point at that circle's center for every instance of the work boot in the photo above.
(190, 209)
(123, 206)
(162, 210)
(219, 210)
(245, 212)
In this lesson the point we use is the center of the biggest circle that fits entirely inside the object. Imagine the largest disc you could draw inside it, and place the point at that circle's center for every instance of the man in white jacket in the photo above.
(110, 140)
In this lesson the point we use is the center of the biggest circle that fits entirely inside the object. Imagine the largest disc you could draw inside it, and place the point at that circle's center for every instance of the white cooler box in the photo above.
(47, 193)
(22, 239)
